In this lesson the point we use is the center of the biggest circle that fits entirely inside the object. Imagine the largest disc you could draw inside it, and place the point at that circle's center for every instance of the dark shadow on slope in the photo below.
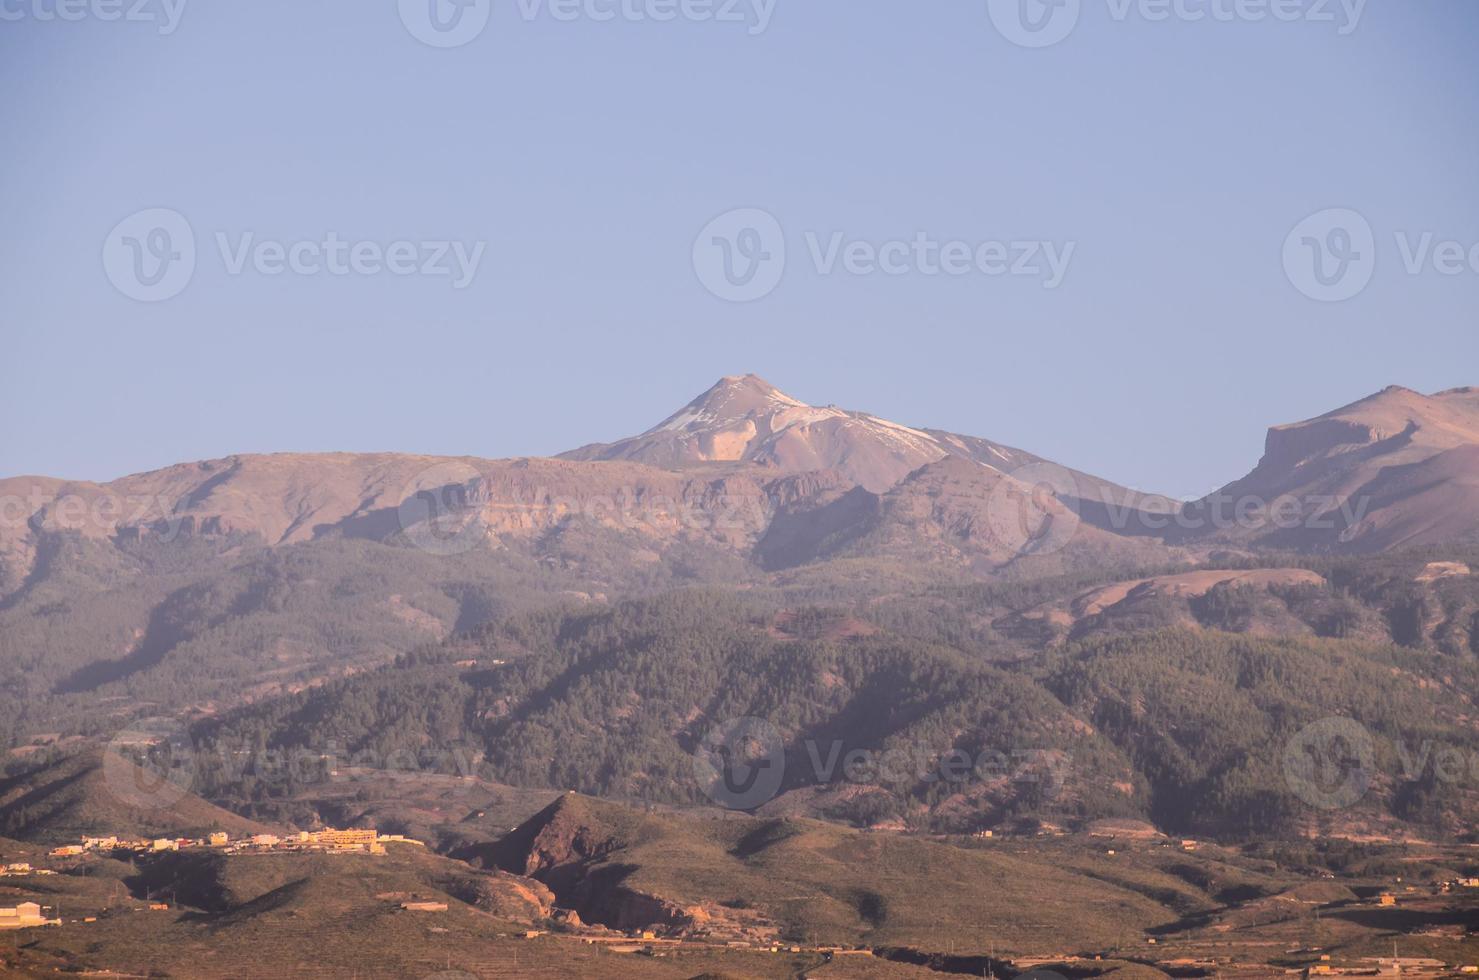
(799, 536)
(163, 633)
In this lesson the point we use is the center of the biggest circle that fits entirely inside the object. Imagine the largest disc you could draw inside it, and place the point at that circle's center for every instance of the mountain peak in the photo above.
(735, 397)
(748, 380)
(744, 418)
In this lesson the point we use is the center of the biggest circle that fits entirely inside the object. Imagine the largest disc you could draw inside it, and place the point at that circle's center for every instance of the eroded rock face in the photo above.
(563, 848)
(1397, 469)
(508, 896)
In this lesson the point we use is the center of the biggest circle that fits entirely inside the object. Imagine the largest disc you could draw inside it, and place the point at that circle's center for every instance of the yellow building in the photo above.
(345, 839)
(25, 916)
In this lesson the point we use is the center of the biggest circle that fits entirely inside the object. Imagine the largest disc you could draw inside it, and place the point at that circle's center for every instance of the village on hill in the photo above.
(328, 841)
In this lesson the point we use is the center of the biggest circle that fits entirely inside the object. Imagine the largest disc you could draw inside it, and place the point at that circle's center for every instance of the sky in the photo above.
(1129, 240)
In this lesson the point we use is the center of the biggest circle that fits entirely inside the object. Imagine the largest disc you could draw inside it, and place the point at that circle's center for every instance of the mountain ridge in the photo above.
(1394, 469)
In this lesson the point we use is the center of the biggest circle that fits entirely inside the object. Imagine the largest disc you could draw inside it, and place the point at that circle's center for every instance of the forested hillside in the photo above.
(1189, 729)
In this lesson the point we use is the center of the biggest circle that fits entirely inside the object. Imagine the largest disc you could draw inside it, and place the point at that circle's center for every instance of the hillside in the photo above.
(103, 793)
(801, 879)
(957, 513)
(1184, 727)
(1396, 469)
(965, 906)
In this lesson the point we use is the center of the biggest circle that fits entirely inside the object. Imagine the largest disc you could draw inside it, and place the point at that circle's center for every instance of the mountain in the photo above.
(745, 419)
(202, 587)
(1397, 469)
(278, 572)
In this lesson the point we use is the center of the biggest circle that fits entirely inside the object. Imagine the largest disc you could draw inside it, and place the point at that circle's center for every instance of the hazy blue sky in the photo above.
(1175, 155)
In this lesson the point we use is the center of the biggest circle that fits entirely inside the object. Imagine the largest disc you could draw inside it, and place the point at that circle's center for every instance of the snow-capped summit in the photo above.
(744, 418)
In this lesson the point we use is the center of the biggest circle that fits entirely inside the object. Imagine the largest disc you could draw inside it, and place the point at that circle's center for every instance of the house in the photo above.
(1468, 882)
(66, 850)
(24, 916)
(1387, 899)
(164, 844)
(219, 839)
